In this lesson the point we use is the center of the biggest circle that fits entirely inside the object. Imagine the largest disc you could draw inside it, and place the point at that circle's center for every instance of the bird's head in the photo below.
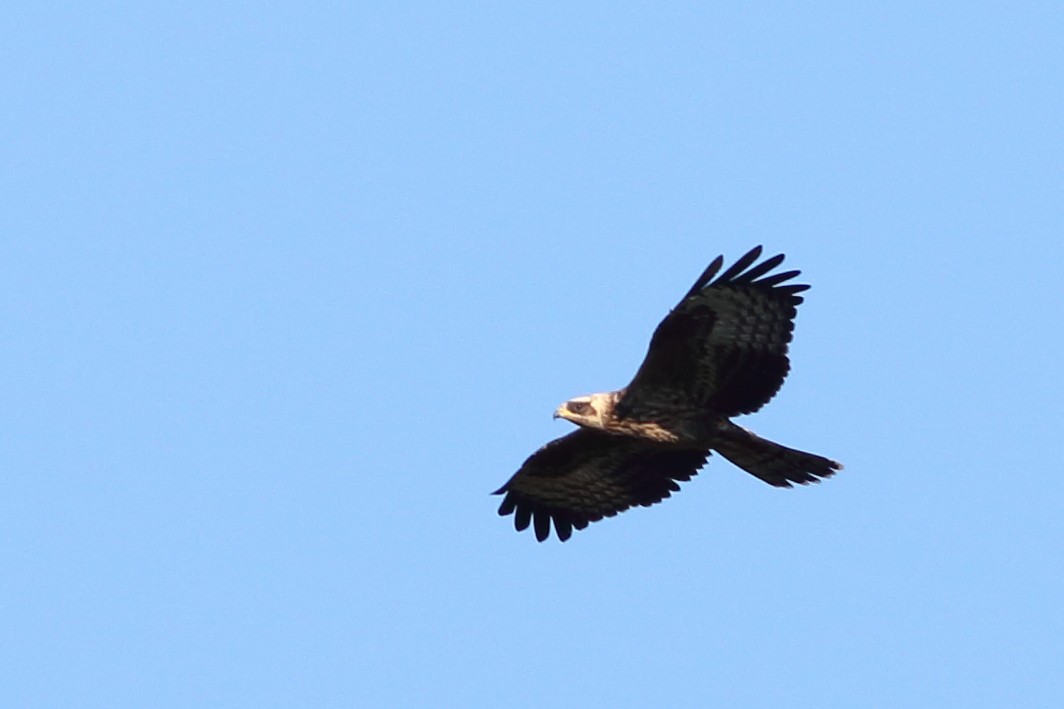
(592, 411)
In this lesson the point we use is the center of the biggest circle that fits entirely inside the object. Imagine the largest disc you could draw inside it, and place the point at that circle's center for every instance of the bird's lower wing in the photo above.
(587, 475)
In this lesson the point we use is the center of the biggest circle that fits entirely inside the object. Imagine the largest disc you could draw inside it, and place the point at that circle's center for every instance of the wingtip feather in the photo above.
(542, 525)
(741, 265)
(707, 275)
(760, 269)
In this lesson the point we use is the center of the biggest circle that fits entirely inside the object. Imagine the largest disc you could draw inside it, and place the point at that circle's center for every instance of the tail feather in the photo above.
(775, 464)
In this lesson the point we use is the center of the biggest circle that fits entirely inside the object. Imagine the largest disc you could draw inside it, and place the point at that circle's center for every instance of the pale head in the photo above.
(593, 411)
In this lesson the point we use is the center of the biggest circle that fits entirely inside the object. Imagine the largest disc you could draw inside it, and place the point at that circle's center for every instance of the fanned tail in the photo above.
(775, 464)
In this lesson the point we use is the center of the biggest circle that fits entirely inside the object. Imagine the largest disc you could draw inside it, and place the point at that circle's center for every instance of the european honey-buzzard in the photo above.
(721, 352)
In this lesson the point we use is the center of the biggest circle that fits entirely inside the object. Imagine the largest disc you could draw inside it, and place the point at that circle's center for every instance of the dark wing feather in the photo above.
(587, 475)
(723, 348)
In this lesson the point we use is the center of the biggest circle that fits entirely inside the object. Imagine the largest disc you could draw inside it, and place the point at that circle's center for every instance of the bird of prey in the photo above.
(721, 352)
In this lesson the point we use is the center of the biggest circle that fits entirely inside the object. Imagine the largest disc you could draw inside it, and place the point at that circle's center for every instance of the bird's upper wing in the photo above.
(587, 475)
(723, 348)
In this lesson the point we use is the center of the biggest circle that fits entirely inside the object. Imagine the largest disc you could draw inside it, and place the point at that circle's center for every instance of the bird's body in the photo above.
(721, 352)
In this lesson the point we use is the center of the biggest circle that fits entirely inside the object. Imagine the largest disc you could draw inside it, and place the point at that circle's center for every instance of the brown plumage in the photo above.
(721, 352)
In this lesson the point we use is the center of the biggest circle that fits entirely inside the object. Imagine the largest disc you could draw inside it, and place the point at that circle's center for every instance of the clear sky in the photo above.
(288, 288)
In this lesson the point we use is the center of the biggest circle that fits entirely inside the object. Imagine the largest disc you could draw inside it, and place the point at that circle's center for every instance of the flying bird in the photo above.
(720, 353)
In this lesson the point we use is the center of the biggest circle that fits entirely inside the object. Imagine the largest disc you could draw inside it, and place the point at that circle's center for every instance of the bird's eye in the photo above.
(580, 408)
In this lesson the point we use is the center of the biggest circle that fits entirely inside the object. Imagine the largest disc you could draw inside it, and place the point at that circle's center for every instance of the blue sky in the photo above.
(288, 289)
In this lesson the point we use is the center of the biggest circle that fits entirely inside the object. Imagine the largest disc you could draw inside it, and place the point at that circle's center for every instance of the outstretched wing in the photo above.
(587, 475)
(723, 348)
